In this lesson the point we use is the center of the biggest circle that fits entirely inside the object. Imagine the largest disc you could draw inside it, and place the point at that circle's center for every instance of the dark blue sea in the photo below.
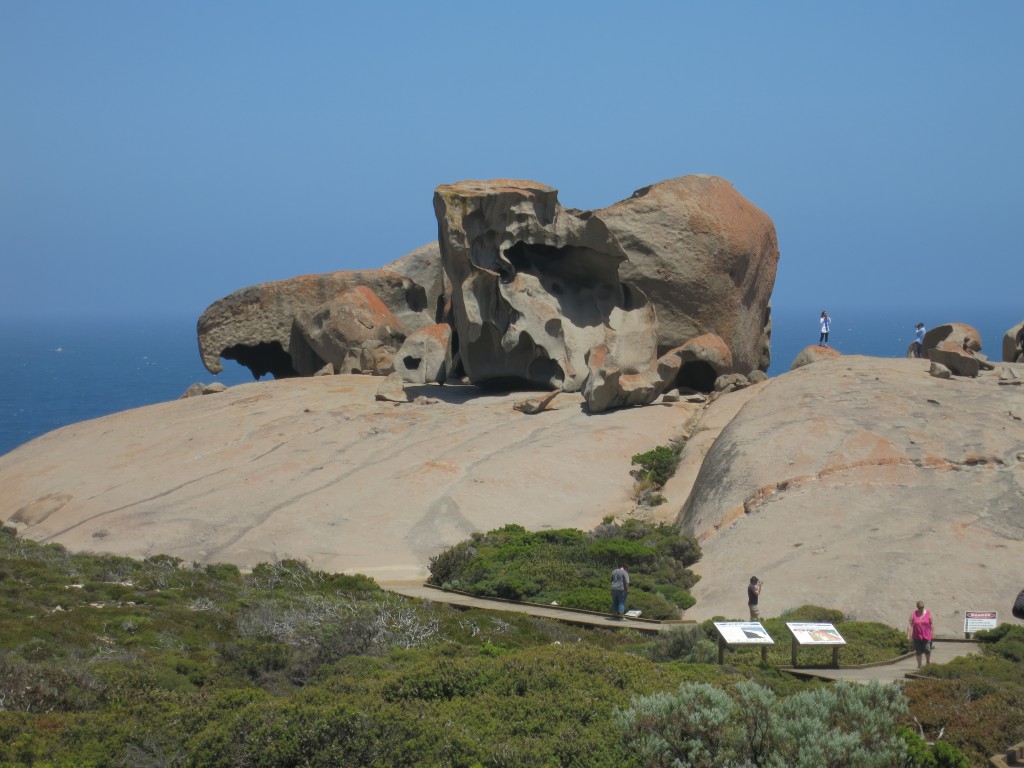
(60, 371)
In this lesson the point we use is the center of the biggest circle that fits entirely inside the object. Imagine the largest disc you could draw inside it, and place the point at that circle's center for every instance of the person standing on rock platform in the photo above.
(620, 588)
(826, 326)
(918, 339)
(919, 633)
(753, 593)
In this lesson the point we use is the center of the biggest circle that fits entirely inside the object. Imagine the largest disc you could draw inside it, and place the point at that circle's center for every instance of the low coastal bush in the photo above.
(106, 661)
(572, 568)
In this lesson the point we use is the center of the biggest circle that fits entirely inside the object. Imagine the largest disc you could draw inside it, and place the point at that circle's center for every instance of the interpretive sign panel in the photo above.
(815, 634)
(976, 621)
(743, 633)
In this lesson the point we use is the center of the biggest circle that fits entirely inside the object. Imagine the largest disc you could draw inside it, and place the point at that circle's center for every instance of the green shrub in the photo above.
(704, 727)
(657, 465)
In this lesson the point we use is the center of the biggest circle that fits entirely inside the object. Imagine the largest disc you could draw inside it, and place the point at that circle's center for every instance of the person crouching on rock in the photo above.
(919, 633)
(620, 588)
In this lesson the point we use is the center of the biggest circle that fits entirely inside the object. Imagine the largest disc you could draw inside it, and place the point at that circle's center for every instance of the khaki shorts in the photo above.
(754, 612)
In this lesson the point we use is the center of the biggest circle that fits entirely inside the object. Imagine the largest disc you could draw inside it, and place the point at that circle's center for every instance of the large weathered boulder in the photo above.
(706, 258)
(950, 336)
(1013, 344)
(293, 327)
(536, 288)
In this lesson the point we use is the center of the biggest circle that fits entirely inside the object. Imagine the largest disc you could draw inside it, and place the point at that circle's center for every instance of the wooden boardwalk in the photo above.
(944, 650)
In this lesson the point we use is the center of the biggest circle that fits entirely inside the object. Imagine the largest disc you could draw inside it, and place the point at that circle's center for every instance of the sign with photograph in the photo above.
(743, 633)
(976, 621)
(815, 634)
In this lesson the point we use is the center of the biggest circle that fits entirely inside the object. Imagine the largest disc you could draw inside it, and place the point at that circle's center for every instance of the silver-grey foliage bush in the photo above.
(841, 726)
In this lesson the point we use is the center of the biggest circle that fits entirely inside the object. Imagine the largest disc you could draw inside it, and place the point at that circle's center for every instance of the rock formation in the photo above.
(543, 295)
(426, 356)
(354, 320)
(536, 290)
(706, 258)
(950, 336)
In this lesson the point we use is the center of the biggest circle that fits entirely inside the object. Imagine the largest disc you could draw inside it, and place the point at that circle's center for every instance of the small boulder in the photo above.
(958, 363)
(1009, 376)
(756, 377)
(194, 390)
(426, 356)
(214, 388)
(730, 383)
(939, 371)
(533, 405)
(393, 389)
(327, 370)
(813, 354)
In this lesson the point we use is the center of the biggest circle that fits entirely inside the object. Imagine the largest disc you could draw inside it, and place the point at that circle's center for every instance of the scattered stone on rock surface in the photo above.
(194, 390)
(730, 383)
(214, 387)
(327, 370)
(393, 389)
(813, 354)
(533, 405)
(1009, 376)
(756, 377)
(939, 371)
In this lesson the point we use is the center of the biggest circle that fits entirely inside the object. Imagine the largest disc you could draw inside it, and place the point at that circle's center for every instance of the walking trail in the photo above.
(943, 651)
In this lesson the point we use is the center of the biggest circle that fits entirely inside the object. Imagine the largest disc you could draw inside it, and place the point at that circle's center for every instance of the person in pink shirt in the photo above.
(919, 633)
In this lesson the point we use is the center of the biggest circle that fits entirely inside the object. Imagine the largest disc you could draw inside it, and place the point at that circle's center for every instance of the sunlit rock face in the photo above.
(354, 320)
(536, 287)
(706, 258)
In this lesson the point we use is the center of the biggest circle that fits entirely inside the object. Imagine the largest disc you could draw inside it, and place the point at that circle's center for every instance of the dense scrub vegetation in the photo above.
(573, 568)
(106, 661)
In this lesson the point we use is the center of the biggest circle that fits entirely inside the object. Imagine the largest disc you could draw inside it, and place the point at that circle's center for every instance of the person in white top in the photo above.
(826, 325)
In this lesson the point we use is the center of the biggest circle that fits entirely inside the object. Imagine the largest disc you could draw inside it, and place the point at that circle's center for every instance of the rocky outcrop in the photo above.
(950, 336)
(706, 258)
(813, 354)
(1013, 344)
(354, 320)
(319, 470)
(841, 483)
(536, 290)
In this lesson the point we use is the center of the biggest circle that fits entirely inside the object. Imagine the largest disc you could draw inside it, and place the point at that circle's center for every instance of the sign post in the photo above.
(977, 621)
(805, 633)
(732, 633)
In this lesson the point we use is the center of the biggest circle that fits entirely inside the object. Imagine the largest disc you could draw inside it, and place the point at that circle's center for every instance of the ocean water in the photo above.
(60, 371)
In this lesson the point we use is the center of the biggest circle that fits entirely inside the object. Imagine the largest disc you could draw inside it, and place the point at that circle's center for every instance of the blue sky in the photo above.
(155, 157)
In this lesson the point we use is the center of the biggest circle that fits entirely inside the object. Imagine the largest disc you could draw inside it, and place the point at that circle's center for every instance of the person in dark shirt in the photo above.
(753, 593)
